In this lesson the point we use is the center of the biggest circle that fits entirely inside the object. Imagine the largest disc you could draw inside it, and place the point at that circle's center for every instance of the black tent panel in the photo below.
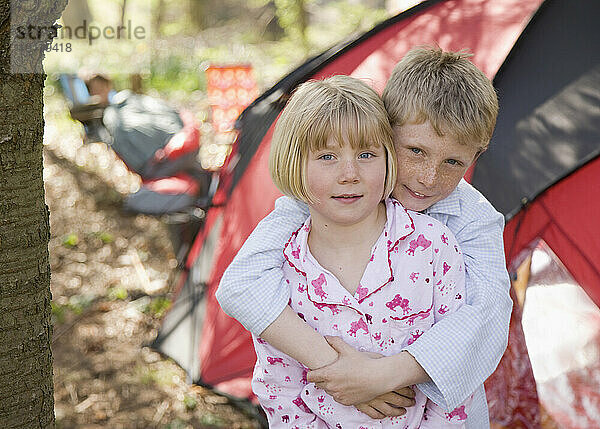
(549, 91)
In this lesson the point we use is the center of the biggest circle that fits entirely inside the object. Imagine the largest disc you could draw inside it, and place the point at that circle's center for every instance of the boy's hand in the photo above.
(357, 378)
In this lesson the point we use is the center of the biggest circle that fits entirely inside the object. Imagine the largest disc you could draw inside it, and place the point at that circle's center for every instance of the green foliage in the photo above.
(59, 312)
(75, 305)
(158, 306)
(176, 424)
(355, 16)
(105, 237)
(78, 303)
(291, 15)
(237, 34)
(117, 293)
(190, 403)
(211, 419)
(165, 374)
(175, 71)
(70, 240)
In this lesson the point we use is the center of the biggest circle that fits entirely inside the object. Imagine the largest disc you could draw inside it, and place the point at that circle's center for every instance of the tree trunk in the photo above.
(26, 386)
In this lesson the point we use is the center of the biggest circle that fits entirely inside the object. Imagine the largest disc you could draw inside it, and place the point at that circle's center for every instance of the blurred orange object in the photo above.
(230, 89)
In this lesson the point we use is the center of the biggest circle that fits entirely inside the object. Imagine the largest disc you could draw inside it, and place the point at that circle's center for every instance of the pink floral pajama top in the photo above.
(414, 278)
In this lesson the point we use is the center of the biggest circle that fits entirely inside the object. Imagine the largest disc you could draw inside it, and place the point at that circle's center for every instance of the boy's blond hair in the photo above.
(340, 107)
(446, 89)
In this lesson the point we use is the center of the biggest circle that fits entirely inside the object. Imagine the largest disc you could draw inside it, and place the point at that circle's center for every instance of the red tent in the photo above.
(542, 170)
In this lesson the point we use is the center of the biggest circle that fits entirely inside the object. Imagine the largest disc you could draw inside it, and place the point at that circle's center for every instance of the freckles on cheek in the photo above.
(317, 189)
(407, 170)
(446, 182)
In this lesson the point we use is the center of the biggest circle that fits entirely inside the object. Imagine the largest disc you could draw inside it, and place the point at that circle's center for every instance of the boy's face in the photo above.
(429, 166)
(101, 89)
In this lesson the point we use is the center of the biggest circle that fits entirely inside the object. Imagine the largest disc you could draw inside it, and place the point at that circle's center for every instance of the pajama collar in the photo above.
(324, 288)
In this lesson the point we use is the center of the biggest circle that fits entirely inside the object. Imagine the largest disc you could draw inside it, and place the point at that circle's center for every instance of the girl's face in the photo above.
(347, 184)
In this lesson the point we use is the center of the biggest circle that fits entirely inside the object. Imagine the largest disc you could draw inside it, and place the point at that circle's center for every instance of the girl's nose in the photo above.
(349, 173)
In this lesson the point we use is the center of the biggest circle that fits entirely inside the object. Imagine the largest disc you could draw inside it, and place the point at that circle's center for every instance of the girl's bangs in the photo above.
(347, 126)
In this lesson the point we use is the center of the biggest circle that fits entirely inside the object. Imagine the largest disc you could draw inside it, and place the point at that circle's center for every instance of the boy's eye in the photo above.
(453, 162)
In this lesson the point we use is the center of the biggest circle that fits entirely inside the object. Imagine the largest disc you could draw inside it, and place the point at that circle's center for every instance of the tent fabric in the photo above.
(562, 329)
(542, 170)
(547, 141)
(549, 118)
(487, 29)
(253, 196)
(179, 334)
(511, 390)
(565, 217)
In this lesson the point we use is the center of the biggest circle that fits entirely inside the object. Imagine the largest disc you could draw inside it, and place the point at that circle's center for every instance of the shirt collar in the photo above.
(448, 206)
(377, 274)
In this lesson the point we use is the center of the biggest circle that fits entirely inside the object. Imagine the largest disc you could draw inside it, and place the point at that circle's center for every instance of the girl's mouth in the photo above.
(347, 198)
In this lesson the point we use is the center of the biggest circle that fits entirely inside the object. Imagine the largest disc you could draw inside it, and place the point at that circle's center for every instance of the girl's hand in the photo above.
(358, 378)
(389, 404)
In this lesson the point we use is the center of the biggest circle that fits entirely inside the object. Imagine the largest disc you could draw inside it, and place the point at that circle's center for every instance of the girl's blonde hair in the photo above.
(341, 107)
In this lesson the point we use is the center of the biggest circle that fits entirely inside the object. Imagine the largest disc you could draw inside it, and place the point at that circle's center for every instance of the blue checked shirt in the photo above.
(458, 353)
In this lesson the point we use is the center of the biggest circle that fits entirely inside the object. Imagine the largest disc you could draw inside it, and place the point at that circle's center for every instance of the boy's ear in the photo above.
(479, 152)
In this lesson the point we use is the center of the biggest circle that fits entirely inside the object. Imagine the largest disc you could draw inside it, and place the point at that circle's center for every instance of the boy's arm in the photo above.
(252, 289)
(294, 337)
(461, 351)
(380, 379)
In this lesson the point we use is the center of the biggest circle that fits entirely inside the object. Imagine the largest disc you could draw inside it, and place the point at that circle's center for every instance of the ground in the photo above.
(112, 274)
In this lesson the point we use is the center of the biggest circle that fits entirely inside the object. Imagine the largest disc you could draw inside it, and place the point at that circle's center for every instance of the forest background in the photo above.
(112, 273)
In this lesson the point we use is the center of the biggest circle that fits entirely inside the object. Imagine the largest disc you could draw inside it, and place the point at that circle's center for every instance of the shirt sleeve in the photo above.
(461, 351)
(253, 290)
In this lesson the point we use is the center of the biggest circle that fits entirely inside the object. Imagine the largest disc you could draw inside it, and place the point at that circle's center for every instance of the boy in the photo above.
(443, 111)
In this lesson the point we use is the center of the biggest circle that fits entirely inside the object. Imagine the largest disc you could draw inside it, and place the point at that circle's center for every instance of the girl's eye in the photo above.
(415, 150)
(326, 157)
(366, 155)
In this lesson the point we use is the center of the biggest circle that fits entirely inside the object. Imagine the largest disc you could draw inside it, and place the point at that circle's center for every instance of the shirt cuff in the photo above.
(425, 354)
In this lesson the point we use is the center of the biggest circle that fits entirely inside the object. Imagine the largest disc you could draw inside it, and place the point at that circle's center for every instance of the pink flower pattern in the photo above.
(407, 283)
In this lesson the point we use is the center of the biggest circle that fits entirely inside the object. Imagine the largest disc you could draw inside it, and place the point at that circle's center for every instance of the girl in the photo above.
(361, 267)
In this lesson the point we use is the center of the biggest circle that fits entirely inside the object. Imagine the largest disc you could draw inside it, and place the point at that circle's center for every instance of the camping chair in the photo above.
(84, 109)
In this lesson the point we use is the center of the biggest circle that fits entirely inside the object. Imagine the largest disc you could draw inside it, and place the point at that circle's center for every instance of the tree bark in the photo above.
(26, 385)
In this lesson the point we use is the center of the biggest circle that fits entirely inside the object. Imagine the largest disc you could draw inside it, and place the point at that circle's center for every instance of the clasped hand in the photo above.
(361, 379)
